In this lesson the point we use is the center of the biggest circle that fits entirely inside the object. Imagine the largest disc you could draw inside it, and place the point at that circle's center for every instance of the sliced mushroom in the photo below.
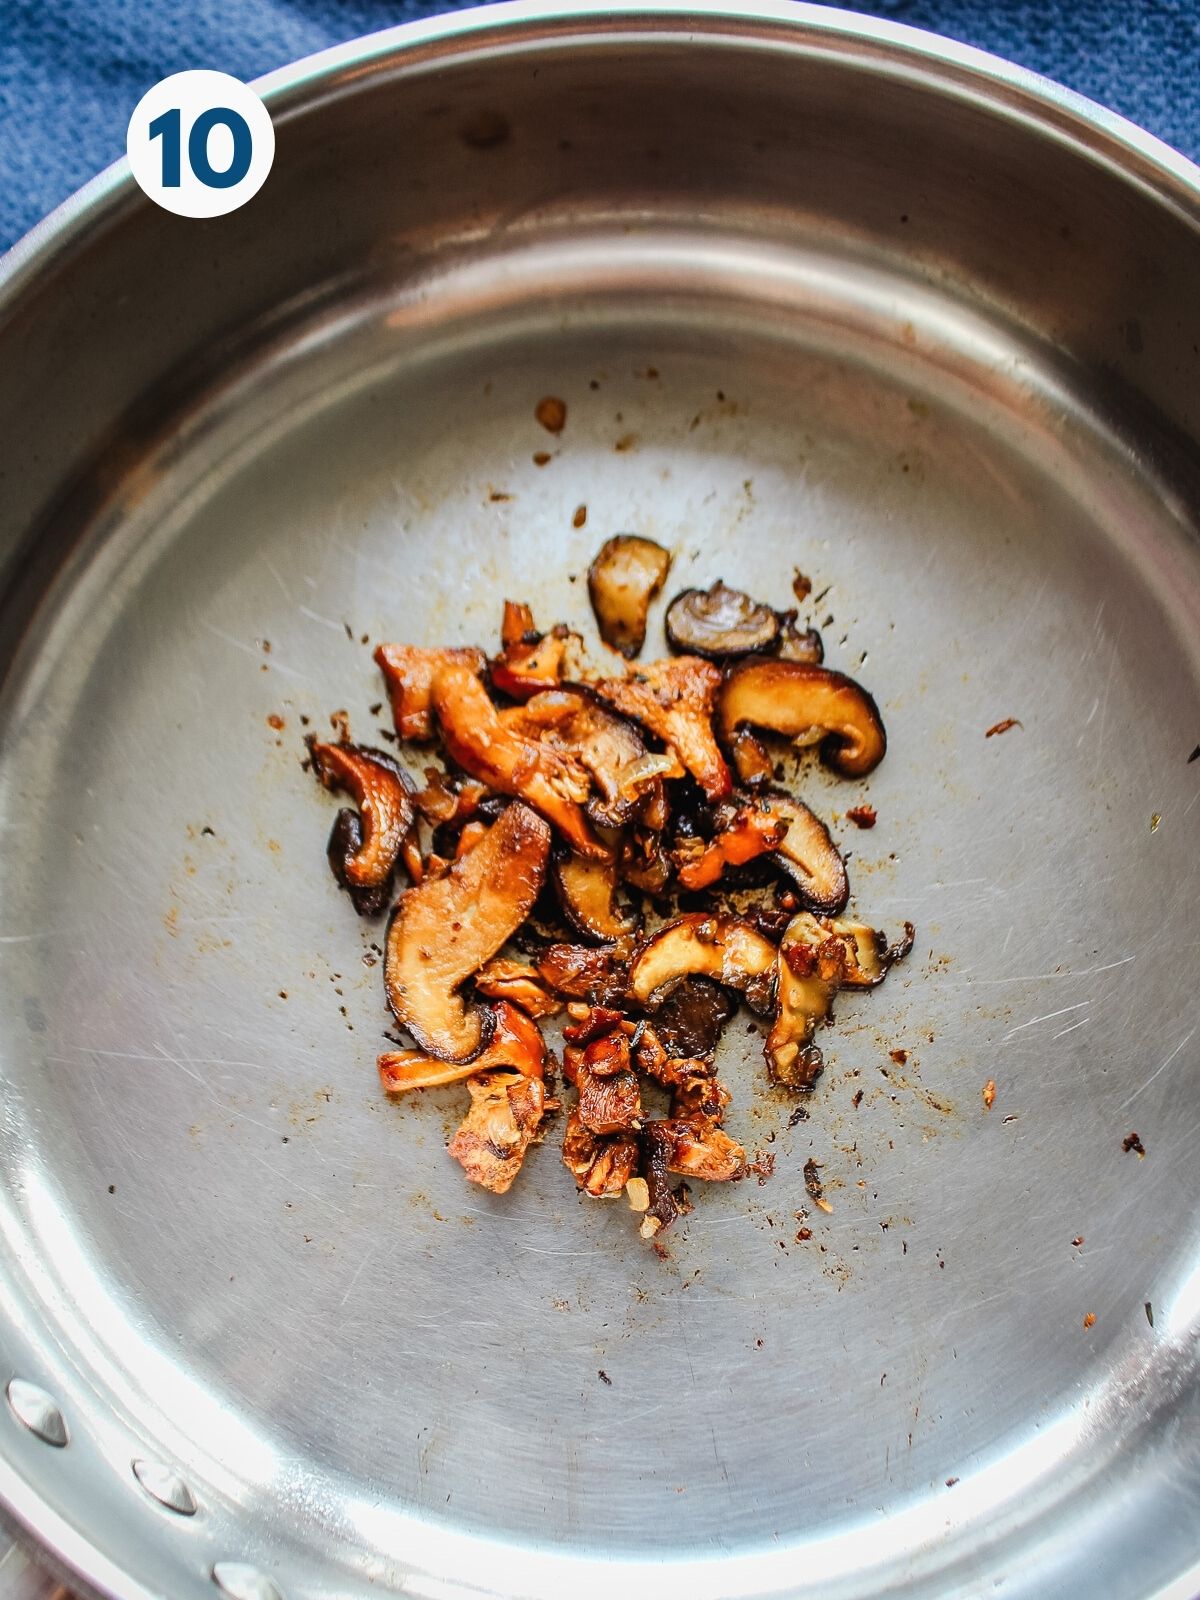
(600, 1166)
(506, 1112)
(516, 1044)
(697, 1148)
(482, 744)
(689, 1021)
(808, 854)
(796, 646)
(445, 928)
(752, 831)
(585, 972)
(611, 1104)
(622, 581)
(720, 623)
(587, 892)
(674, 700)
(607, 1055)
(665, 1203)
(345, 842)
(726, 948)
(502, 979)
(598, 1022)
(700, 1095)
(530, 661)
(868, 954)
(606, 746)
(806, 703)
(364, 858)
(442, 801)
(409, 671)
(812, 965)
(751, 762)
(817, 956)
(643, 861)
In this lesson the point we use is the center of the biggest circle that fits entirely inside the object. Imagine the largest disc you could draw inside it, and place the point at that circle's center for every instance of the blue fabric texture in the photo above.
(71, 71)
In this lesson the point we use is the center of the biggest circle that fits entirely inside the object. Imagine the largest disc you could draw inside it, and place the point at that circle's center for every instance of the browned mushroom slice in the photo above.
(409, 671)
(612, 751)
(868, 954)
(817, 956)
(720, 623)
(608, 747)
(516, 1044)
(690, 1020)
(622, 581)
(600, 1166)
(364, 858)
(598, 975)
(726, 948)
(643, 861)
(665, 1204)
(530, 661)
(752, 831)
(505, 759)
(441, 801)
(697, 1148)
(506, 1112)
(611, 1104)
(808, 854)
(751, 761)
(502, 979)
(587, 893)
(796, 646)
(595, 1022)
(700, 1095)
(674, 700)
(445, 928)
(806, 703)
(811, 970)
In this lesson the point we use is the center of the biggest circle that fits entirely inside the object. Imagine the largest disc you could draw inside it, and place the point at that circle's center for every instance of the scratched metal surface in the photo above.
(224, 1251)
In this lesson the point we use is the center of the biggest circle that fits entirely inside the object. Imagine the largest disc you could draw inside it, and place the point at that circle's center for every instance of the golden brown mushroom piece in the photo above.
(622, 581)
(409, 671)
(817, 956)
(608, 747)
(504, 979)
(601, 1165)
(701, 944)
(445, 928)
(597, 974)
(587, 891)
(506, 1113)
(674, 700)
(498, 754)
(363, 850)
(529, 661)
(720, 623)
(750, 832)
(516, 1043)
(808, 855)
(807, 703)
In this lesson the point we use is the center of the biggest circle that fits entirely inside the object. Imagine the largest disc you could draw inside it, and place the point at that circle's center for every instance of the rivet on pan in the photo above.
(166, 1486)
(35, 1408)
(242, 1582)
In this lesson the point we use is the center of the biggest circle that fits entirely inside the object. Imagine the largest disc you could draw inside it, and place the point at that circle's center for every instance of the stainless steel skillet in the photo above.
(921, 325)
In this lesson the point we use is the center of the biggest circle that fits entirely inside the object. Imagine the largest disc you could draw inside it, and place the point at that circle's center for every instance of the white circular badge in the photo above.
(200, 143)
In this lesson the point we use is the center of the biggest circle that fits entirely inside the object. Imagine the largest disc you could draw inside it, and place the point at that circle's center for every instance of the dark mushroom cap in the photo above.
(719, 623)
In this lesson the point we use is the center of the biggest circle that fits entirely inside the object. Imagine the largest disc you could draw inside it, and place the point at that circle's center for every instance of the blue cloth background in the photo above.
(71, 71)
